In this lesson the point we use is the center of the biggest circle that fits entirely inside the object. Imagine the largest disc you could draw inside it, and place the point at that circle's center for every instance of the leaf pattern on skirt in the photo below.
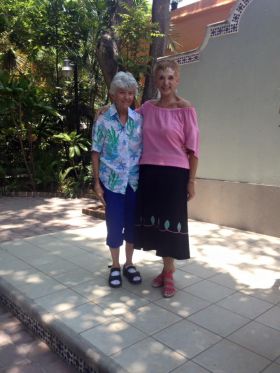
(166, 224)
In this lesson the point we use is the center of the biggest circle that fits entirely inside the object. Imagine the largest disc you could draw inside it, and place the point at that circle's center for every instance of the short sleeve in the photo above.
(98, 135)
(191, 131)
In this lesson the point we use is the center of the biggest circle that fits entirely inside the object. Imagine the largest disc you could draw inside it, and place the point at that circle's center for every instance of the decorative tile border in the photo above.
(51, 340)
(232, 24)
(224, 28)
(188, 58)
(239, 10)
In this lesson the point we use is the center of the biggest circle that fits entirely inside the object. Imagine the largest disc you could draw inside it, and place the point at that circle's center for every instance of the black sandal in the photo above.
(115, 279)
(132, 275)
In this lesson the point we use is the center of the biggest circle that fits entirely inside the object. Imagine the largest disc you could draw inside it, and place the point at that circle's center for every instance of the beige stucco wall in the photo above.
(236, 89)
(244, 206)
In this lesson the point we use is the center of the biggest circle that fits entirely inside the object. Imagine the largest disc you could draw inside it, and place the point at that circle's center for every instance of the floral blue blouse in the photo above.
(120, 148)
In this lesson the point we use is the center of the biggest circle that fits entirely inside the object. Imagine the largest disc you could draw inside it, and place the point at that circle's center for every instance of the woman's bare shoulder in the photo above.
(182, 103)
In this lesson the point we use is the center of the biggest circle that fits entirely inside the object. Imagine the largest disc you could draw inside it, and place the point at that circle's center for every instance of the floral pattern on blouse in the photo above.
(120, 148)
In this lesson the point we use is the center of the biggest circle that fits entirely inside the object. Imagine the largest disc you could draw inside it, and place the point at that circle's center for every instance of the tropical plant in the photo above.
(22, 107)
(134, 33)
(36, 103)
(75, 176)
(124, 42)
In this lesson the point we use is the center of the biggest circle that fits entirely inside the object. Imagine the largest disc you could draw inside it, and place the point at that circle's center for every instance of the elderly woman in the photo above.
(116, 150)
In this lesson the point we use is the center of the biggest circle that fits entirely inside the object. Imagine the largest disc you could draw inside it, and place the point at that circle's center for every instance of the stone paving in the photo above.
(21, 352)
(225, 316)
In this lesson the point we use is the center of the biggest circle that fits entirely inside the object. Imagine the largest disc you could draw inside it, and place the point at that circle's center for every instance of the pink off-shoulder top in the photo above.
(167, 134)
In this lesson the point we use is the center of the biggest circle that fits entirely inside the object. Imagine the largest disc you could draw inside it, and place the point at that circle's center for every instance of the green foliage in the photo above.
(47, 166)
(75, 175)
(23, 107)
(47, 30)
(75, 143)
(39, 149)
(73, 187)
(36, 35)
(135, 33)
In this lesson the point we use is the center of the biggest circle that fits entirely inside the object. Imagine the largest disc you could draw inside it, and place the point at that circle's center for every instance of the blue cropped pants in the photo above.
(120, 214)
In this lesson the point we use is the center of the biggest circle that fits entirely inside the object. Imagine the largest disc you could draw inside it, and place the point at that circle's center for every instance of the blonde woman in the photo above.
(167, 174)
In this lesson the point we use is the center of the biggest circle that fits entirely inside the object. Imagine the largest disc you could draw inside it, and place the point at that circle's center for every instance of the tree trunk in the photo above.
(160, 14)
(107, 47)
(107, 55)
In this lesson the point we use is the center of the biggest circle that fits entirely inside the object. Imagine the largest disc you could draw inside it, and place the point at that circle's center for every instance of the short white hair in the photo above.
(123, 80)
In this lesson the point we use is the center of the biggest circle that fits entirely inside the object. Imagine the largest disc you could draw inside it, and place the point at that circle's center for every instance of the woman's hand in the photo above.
(101, 111)
(99, 193)
(191, 189)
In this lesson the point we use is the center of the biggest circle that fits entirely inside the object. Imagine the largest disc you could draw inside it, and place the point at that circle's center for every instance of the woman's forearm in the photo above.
(95, 166)
(193, 161)
(95, 170)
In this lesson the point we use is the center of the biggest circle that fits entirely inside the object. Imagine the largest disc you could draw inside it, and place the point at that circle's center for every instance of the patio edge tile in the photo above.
(70, 346)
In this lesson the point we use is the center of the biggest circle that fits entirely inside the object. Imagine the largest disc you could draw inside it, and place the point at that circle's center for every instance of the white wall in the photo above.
(236, 89)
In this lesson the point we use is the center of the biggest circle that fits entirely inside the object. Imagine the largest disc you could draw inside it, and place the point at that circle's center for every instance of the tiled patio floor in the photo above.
(225, 316)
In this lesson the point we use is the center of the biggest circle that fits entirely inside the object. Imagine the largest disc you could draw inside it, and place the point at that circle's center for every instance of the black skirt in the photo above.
(162, 220)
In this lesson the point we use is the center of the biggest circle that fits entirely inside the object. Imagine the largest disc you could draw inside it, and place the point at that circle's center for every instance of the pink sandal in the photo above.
(158, 281)
(168, 285)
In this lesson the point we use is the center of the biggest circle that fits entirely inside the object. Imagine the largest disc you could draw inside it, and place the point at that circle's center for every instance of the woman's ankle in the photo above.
(116, 265)
(168, 270)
